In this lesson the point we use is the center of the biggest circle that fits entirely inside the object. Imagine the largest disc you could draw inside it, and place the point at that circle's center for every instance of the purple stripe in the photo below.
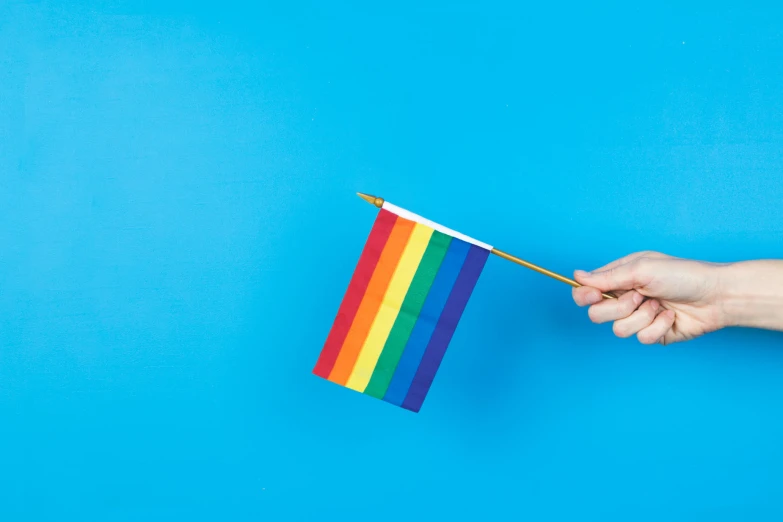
(444, 330)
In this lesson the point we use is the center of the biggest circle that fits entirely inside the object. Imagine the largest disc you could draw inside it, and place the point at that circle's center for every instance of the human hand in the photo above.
(661, 299)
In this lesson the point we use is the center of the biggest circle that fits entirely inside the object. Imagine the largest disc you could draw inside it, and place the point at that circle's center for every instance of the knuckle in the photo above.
(639, 264)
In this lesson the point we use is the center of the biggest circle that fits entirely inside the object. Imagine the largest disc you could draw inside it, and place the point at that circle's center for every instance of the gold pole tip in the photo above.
(378, 202)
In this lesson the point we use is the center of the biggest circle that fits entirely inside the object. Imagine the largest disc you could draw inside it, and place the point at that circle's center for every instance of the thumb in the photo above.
(621, 277)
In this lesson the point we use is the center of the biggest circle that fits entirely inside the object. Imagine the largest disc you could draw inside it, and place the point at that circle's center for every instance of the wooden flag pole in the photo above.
(378, 202)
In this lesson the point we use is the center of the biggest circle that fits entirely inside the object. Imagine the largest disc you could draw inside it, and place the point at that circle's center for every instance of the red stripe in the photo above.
(384, 223)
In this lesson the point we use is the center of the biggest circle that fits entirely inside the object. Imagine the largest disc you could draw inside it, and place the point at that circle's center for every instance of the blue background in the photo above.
(178, 225)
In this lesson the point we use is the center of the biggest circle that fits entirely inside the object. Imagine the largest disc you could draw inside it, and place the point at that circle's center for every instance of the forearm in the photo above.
(752, 294)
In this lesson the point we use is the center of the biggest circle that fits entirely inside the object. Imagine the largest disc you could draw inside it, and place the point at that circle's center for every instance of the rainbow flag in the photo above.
(406, 296)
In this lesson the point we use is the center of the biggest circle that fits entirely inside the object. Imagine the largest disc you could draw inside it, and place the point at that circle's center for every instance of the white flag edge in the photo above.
(394, 209)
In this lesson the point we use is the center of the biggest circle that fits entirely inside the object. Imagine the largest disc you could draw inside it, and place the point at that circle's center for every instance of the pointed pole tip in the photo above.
(378, 202)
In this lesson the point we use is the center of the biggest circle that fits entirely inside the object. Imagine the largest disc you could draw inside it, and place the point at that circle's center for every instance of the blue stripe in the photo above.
(425, 324)
(452, 312)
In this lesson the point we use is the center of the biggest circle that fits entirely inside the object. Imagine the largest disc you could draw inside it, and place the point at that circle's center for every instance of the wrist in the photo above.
(751, 294)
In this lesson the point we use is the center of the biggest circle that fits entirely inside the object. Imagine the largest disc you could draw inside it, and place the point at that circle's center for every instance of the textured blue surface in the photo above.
(178, 226)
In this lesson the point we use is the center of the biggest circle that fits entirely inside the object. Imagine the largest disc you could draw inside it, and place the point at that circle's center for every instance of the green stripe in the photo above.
(409, 313)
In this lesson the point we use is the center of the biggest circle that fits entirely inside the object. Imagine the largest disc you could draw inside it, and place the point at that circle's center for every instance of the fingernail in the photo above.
(637, 298)
(594, 297)
(655, 305)
(581, 273)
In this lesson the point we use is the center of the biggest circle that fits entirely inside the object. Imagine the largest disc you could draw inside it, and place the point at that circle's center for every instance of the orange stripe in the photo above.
(373, 297)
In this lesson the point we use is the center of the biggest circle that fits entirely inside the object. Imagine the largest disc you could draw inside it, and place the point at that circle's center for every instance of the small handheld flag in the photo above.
(407, 294)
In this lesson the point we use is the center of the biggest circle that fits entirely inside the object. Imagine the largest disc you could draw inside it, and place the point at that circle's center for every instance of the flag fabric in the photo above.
(407, 294)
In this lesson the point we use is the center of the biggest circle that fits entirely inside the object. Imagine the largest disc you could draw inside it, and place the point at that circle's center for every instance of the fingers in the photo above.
(658, 329)
(621, 273)
(627, 277)
(639, 320)
(614, 309)
(621, 277)
(586, 295)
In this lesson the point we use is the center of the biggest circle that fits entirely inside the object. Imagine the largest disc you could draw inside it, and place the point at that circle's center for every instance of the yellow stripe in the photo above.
(390, 307)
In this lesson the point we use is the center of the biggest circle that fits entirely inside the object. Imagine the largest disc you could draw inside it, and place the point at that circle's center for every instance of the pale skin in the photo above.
(664, 299)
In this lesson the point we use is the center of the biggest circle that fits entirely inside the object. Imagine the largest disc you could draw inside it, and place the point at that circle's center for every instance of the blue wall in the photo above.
(178, 225)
